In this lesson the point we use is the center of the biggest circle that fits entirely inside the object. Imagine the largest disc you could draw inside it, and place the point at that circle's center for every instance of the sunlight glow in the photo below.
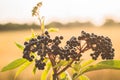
(67, 10)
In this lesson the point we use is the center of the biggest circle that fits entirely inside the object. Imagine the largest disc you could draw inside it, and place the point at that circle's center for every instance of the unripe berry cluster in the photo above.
(42, 46)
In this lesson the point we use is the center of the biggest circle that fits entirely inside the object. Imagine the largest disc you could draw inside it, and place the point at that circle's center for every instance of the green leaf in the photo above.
(84, 64)
(25, 65)
(83, 77)
(28, 38)
(65, 76)
(34, 69)
(51, 75)
(45, 71)
(33, 33)
(53, 30)
(77, 66)
(109, 64)
(68, 75)
(74, 75)
(19, 46)
(14, 64)
(62, 63)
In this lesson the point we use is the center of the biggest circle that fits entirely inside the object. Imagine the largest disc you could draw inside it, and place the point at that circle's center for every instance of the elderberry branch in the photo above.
(65, 68)
(52, 59)
(44, 46)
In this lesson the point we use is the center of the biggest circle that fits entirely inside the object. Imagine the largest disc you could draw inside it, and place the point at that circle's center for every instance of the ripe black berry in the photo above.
(79, 37)
(46, 32)
(38, 37)
(25, 43)
(56, 38)
(61, 37)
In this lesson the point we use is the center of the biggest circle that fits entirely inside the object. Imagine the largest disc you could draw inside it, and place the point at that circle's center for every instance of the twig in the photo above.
(65, 67)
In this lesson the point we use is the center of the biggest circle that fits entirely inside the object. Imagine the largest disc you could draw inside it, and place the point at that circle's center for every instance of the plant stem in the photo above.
(65, 68)
(52, 60)
(55, 77)
(41, 21)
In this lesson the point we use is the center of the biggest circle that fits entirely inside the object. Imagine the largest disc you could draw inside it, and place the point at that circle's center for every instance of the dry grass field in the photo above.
(9, 52)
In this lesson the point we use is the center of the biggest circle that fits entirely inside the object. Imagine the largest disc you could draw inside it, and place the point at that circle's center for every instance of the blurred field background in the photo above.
(16, 23)
(9, 51)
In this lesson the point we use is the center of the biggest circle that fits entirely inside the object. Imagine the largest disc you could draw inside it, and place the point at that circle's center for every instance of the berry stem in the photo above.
(65, 68)
(41, 21)
(52, 59)
(83, 45)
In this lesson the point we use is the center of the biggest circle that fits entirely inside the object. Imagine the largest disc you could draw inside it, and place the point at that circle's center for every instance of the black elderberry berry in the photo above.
(50, 40)
(68, 42)
(32, 40)
(25, 52)
(57, 42)
(56, 38)
(25, 43)
(40, 67)
(32, 57)
(25, 56)
(34, 50)
(43, 64)
(41, 58)
(38, 37)
(46, 32)
(73, 38)
(94, 58)
(67, 58)
(61, 37)
(79, 37)
(61, 57)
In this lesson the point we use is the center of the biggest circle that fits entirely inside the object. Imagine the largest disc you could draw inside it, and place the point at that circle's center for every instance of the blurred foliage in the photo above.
(13, 26)
(111, 22)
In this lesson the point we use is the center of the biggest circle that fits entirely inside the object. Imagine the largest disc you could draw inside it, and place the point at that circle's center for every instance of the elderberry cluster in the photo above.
(72, 49)
(40, 47)
(100, 45)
